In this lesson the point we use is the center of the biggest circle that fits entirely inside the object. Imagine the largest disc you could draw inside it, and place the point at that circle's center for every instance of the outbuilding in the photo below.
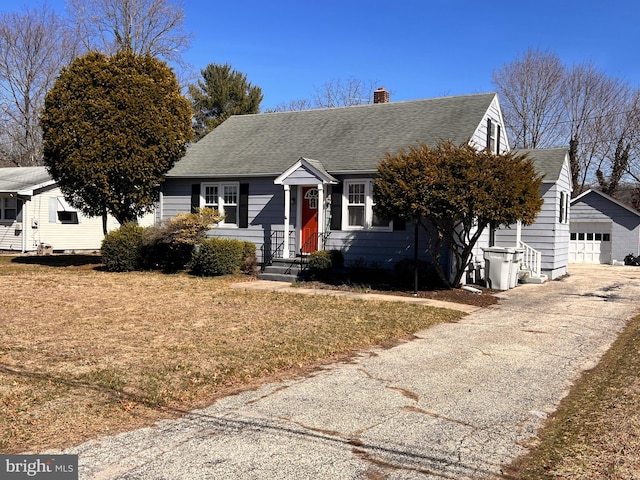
(603, 230)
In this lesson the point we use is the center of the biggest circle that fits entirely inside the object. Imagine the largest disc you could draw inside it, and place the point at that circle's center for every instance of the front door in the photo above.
(309, 219)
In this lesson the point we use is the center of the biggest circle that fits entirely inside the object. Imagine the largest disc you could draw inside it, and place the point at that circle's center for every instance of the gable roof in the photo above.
(343, 140)
(607, 197)
(548, 162)
(23, 180)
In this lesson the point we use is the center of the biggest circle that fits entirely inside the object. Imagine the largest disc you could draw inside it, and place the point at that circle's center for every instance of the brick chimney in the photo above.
(381, 96)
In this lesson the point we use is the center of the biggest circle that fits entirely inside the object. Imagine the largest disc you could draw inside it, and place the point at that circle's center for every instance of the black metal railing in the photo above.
(274, 246)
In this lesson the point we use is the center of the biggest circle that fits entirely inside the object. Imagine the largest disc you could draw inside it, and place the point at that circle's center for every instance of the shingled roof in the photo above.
(344, 140)
(548, 162)
(22, 179)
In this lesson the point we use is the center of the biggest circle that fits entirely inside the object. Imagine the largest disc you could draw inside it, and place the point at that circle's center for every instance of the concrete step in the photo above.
(278, 277)
(283, 270)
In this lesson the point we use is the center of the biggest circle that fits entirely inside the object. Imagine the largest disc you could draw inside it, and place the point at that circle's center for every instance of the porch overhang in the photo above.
(305, 172)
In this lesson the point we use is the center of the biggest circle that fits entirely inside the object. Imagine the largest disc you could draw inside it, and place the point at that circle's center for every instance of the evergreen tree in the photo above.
(112, 127)
(220, 93)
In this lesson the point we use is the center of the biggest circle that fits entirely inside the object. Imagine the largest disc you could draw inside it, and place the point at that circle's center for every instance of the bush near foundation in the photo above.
(217, 256)
(324, 263)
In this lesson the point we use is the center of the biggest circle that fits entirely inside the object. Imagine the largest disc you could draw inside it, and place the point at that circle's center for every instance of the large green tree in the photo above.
(220, 93)
(454, 193)
(112, 127)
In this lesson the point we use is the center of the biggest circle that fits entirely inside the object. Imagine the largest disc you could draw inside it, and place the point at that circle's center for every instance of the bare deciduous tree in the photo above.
(531, 93)
(34, 45)
(141, 27)
(595, 116)
(335, 93)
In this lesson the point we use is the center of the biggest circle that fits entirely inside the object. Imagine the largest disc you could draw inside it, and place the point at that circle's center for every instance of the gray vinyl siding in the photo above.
(546, 235)
(266, 208)
(625, 225)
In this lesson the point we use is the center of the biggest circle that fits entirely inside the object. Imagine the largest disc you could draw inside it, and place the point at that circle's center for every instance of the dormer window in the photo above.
(493, 136)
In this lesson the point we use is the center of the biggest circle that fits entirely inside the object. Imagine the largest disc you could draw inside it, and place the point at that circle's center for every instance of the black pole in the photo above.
(415, 258)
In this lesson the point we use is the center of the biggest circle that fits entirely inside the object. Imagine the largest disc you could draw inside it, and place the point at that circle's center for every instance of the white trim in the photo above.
(323, 177)
(604, 195)
(368, 207)
(220, 204)
(287, 213)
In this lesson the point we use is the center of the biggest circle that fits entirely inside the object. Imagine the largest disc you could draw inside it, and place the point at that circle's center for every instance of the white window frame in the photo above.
(368, 207)
(4, 206)
(220, 203)
(563, 207)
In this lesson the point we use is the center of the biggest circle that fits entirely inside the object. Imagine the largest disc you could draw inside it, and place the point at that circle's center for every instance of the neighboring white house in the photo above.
(35, 217)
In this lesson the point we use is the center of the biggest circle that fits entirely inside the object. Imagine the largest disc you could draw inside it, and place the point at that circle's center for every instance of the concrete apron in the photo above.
(460, 401)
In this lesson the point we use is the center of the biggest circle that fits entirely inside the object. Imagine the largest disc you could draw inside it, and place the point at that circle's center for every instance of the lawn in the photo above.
(84, 352)
(595, 432)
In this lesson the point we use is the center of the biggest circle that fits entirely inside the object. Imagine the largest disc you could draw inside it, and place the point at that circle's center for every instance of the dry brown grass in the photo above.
(85, 352)
(595, 433)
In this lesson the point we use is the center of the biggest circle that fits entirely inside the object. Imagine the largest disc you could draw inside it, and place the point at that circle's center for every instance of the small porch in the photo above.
(307, 202)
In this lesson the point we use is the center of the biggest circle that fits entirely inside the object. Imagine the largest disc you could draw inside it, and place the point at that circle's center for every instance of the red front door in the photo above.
(309, 219)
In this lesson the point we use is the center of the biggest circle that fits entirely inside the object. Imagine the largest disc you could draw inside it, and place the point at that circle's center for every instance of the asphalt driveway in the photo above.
(460, 401)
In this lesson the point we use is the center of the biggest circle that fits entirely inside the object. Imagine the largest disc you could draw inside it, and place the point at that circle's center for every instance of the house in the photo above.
(546, 242)
(603, 230)
(295, 182)
(34, 216)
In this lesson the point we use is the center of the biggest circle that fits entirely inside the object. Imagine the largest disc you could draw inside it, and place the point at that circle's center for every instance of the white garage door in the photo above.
(590, 243)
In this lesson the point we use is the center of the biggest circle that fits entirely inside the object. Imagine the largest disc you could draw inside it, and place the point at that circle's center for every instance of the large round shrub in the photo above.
(121, 248)
(217, 256)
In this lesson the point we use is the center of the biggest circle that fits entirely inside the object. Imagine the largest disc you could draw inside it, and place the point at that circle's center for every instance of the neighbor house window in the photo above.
(61, 212)
(224, 198)
(8, 208)
(359, 208)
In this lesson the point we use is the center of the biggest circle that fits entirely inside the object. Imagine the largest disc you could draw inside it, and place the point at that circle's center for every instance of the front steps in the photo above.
(284, 270)
(527, 276)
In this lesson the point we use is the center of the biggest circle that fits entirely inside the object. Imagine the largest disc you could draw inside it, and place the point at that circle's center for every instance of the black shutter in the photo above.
(336, 207)
(195, 197)
(243, 219)
(489, 134)
(399, 224)
(498, 140)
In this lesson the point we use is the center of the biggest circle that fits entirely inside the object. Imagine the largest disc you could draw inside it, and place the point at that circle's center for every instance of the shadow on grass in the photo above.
(61, 260)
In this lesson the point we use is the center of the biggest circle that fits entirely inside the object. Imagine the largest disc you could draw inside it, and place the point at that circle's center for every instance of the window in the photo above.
(359, 209)
(61, 212)
(67, 217)
(8, 208)
(606, 237)
(564, 207)
(493, 136)
(224, 198)
(356, 205)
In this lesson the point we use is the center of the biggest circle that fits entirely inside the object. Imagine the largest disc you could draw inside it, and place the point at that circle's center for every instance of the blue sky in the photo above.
(415, 49)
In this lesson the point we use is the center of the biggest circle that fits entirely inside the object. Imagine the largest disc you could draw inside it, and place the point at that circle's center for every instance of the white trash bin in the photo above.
(518, 255)
(498, 261)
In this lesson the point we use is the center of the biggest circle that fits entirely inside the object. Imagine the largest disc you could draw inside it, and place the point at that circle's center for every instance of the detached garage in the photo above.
(603, 230)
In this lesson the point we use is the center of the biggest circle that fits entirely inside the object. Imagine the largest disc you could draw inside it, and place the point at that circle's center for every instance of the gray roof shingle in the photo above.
(348, 139)
(15, 179)
(547, 161)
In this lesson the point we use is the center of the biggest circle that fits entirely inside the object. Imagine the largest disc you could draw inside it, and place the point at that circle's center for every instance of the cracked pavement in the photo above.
(459, 401)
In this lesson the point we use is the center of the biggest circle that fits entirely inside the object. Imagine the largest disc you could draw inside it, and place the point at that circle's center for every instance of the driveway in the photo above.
(458, 402)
